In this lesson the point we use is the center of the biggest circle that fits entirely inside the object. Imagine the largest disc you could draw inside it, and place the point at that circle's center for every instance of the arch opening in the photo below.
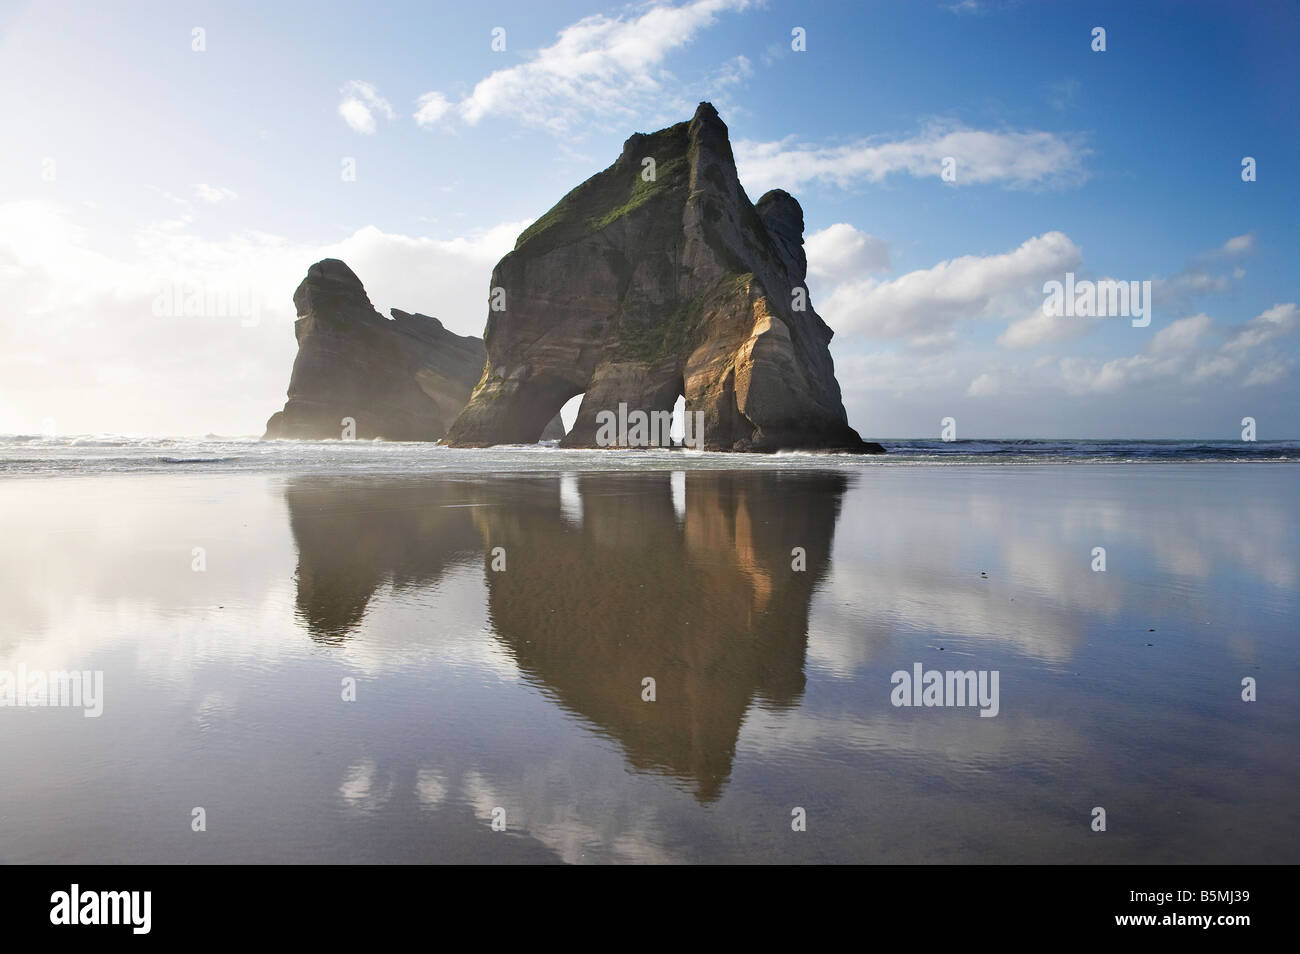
(569, 413)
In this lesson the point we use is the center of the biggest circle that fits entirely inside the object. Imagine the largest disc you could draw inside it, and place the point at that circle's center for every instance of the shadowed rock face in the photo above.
(403, 379)
(636, 291)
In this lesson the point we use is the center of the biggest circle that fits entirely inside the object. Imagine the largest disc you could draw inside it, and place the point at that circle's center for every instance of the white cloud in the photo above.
(1267, 372)
(430, 108)
(893, 372)
(1239, 245)
(732, 73)
(1169, 292)
(986, 385)
(1180, 336)
(1277, 322)
(1168, 295)
(1000, 381)
(213, 194)
(1015, 159)
(361, 101)
(1081, 375)
(1037, 328)
(603, 67)
(1175, 355)
(1181, 290)
(840, 253)
(76, 320)
(923, 306)
(1061, 95)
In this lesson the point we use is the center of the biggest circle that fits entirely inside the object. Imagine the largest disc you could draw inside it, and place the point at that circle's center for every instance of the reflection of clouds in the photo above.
(479, 794)
(920, 601)
(1178, 558)
(99, 558)
(166, 640)
(1094, 517)
(398, 633)
(430, 787)
(1035, 601)
(911, 543)
(174, 639)
(841, 637)
(1059, 574)
(1258, 537)
(1195, 521)
(215, 707)
(959, 736)
(1190, 520)
(359, 789)
(109, 570)
(555, 803)
(634, 839)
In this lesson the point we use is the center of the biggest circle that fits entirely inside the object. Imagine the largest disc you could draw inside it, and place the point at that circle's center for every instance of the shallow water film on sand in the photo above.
(869, 663)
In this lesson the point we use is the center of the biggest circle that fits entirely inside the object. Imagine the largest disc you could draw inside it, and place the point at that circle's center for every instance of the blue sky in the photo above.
(133, 161)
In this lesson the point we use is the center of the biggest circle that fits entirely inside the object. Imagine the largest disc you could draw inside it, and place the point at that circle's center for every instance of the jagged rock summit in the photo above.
(655, 279)
(402, 379)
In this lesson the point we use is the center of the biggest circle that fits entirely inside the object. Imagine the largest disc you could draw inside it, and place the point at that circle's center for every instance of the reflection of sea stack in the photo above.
(602, 588)
(352, 538)
(657, 278)
(709, 607)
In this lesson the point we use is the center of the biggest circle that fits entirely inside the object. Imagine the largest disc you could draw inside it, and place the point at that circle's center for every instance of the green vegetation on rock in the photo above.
(654, 336)
(609, 195)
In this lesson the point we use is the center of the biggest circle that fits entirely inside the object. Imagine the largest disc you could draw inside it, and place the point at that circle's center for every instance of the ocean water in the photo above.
(368, 652)
(95, 454)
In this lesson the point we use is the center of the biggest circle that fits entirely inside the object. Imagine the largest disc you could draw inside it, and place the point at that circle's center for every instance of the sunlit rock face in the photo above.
(402, 379)
(658, 278)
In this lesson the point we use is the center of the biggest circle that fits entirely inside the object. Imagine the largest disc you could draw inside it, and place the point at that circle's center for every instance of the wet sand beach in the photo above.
(499, 628)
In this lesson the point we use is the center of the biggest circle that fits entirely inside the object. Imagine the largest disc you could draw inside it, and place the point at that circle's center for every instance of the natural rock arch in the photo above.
(635, 289)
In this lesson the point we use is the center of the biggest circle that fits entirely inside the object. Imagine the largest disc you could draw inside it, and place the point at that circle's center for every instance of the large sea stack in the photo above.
(657, 278)
(400, 379)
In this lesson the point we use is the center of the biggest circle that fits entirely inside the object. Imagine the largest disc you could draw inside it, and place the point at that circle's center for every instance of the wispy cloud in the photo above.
(1277, 322)
(602, 68)
(1037, 328)
(923, 306)
(840, 253)
(1238, 245)
(213, 194)
(732, 73)
(361, 102)
(1017, 159)
(1061, 95)
(86, 310)
(1170, 295)
(431, 108)
(1203, 275)
(1177, 355)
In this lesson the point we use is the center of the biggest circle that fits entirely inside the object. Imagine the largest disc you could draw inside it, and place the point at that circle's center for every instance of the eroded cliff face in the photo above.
(401, 379)
(635, 289)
